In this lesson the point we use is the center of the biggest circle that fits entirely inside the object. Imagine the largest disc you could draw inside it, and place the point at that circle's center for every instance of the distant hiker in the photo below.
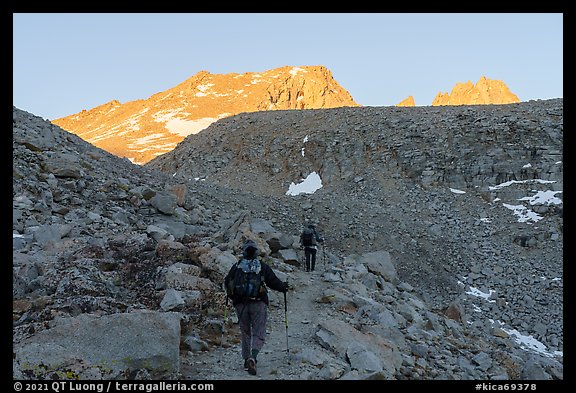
(309, 240)
(246, 284)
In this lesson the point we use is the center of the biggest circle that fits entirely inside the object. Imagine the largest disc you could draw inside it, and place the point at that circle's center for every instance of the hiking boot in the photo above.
(245, 364)
(251, 366)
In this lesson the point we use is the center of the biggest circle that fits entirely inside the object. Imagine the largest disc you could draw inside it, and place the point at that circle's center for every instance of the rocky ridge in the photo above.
(485, 91)
(102, 245)
(409, 101)
(143, 129)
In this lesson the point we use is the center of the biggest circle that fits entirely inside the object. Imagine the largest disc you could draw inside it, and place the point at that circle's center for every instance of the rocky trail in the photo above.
(274, 361)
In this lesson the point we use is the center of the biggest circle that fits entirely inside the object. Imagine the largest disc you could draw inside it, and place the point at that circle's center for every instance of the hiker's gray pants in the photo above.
(252, 320)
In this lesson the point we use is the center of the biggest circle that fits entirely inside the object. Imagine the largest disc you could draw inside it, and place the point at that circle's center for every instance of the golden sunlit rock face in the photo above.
(143, 129)
(407, 102)
(486, 91)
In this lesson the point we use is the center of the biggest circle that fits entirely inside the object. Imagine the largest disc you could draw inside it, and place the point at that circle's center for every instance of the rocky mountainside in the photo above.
(443, 253)
(485, 91)
(143, 129)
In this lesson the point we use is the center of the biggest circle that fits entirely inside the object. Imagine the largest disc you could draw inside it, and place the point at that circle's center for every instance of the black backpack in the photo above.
(245, 285)
(307, 237)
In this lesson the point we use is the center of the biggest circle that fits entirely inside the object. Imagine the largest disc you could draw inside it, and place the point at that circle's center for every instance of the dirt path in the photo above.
(274, 361)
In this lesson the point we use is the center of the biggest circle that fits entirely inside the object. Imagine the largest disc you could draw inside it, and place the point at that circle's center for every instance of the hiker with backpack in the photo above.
(246, 284)
(309, 239)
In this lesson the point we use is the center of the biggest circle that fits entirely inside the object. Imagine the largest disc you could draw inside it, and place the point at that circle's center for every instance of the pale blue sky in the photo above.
(66, 62)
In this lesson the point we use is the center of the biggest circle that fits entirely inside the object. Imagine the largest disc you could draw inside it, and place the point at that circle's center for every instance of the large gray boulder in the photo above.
(109, 346)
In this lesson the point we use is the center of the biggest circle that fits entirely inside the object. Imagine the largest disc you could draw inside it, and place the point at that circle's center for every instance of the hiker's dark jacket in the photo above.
(270, 278)
(316, 238)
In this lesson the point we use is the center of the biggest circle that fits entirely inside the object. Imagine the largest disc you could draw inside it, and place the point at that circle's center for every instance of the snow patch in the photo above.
(295, 70)
(311, 184)
(524, 214)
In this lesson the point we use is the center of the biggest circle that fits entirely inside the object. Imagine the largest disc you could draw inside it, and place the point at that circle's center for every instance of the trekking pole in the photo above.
(286, 321)
(223, 326)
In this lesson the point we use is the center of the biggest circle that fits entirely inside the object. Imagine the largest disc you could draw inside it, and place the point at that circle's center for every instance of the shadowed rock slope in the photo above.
(443, 247)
